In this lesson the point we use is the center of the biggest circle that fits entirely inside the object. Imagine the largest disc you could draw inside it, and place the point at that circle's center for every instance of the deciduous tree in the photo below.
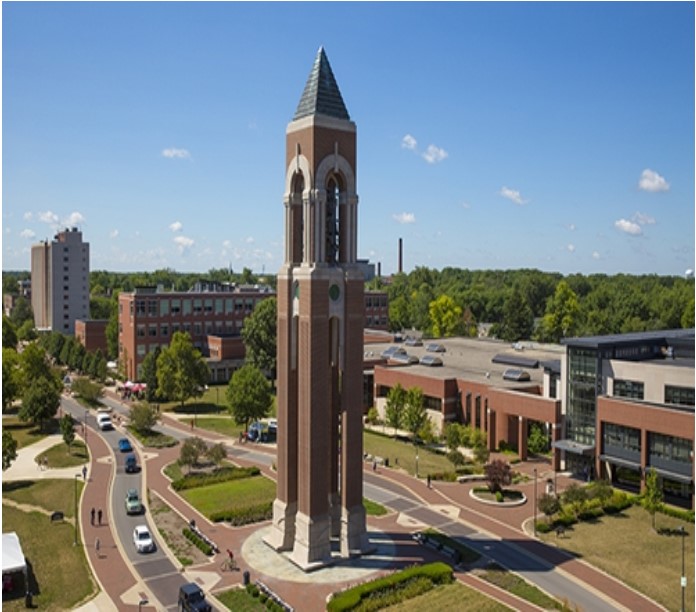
(249, 395)
(67, 430)
(9, 449)
(143, 417)
(394, 410)
(652, 496)
(40, 401)
(182, 372)
(498, 475)
(11, 386)
(259, 334)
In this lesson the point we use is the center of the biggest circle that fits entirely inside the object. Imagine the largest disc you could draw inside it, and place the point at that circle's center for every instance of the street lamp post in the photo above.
(416, 461)
(143, 602)
(77, 477)
(535, 503)
(86, 415)
(683, 573)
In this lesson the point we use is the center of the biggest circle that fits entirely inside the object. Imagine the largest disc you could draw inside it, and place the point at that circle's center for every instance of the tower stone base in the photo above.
(354, 540)
(282, 535)
(312, 548)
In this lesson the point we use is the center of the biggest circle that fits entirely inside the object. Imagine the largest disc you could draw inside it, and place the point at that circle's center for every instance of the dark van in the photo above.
(131, 464)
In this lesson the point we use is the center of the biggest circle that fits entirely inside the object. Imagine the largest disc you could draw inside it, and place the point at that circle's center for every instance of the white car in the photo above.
(142, 539)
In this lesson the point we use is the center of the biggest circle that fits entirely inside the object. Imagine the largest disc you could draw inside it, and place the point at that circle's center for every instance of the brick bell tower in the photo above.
(320, 335)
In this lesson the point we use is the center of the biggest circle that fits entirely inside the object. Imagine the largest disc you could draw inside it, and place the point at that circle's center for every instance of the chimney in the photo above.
(401, 256)
(379, 269)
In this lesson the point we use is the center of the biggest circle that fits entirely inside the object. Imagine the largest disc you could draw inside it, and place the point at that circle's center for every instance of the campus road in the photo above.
(399, 496)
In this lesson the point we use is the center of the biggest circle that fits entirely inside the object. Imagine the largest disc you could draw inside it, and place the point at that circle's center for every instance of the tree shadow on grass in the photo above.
(672, 531)
(16, 485)
(198, 408)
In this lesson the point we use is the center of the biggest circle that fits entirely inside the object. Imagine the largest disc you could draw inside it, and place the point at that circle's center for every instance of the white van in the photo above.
(104, 421)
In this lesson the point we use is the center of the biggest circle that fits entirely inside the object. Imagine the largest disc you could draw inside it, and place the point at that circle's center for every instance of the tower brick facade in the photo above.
(320, 335)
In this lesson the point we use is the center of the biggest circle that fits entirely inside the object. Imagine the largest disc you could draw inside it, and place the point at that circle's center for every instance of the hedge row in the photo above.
(191, 481)
(392, 589)
(206, 548)
(589, 511)
(244, 516)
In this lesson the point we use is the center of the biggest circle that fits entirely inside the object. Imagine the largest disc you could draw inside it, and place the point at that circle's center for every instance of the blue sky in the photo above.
(557, 136)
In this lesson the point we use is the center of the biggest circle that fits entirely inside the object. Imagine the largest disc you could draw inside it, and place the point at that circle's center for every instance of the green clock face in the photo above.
(334, 292)
(296, 292)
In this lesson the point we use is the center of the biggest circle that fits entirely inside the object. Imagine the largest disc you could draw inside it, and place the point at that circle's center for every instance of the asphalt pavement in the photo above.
(126, 579)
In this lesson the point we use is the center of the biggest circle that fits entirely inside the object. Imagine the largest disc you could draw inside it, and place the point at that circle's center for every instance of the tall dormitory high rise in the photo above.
(320, 335)
(60, 281)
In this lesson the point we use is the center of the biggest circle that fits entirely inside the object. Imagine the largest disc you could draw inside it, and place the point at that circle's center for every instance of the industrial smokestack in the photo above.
(379, 269)
(401, 256)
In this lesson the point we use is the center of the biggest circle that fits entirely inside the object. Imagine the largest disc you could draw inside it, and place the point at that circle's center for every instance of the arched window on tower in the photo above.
(333, 191)
(297, 219)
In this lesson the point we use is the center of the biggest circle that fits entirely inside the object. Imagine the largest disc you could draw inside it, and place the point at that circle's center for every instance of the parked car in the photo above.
(413, 342)
(191, 597)
(434, 347)
(124, 445)
(131, 464)
(430, 360)
(262, 432)
(143, 540)
(393, 350)
(104, 422)
(133, 503)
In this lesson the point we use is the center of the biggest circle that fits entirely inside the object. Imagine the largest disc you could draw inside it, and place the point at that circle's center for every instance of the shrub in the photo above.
(444, 476)
(392, 589)
(201, 544)
(499, 497)
(543, 527)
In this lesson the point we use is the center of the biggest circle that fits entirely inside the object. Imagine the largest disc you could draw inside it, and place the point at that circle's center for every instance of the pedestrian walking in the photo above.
(45, 462)
(84, 473)
(374, 466)
(97, 546)
(92, 513)
(99, 515)
(428, 479)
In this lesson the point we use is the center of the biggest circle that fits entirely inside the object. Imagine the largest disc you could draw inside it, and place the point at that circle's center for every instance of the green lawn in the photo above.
(516, 585)
(453, 596)
(626, 546)
(403, 455)
(59, 456)
(223, 425)
(58, 494)
(231, 495)
(59, 575)
(26, 433)
(240, 601)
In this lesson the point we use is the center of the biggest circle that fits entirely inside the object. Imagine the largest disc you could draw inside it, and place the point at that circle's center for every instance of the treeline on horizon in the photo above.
(517, 304)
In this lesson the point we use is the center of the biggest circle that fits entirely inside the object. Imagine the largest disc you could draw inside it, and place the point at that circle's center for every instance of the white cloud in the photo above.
(409, 142)
(177, 226)
(113, 233)
(434, 154)
(571, 227)
(176, 153)
(466, 205)
(48, 217)
(513, 195)
(628, 227)
(250, 240)
(596, 255)
(404, 218)
(183, 243)
(27, 233)
(73, 219)
(28, 216)
(642, 219)
(571, 248)
(652, 181)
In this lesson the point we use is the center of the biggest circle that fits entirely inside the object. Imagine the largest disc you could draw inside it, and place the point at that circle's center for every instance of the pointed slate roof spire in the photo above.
(321, 95)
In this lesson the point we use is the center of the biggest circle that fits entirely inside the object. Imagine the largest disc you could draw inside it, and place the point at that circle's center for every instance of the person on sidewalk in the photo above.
(97, 546)
(99, 515)
(92, 512)
(84, 473)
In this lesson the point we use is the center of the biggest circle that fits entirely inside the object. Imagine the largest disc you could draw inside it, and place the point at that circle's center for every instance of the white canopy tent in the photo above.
(12, 555)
